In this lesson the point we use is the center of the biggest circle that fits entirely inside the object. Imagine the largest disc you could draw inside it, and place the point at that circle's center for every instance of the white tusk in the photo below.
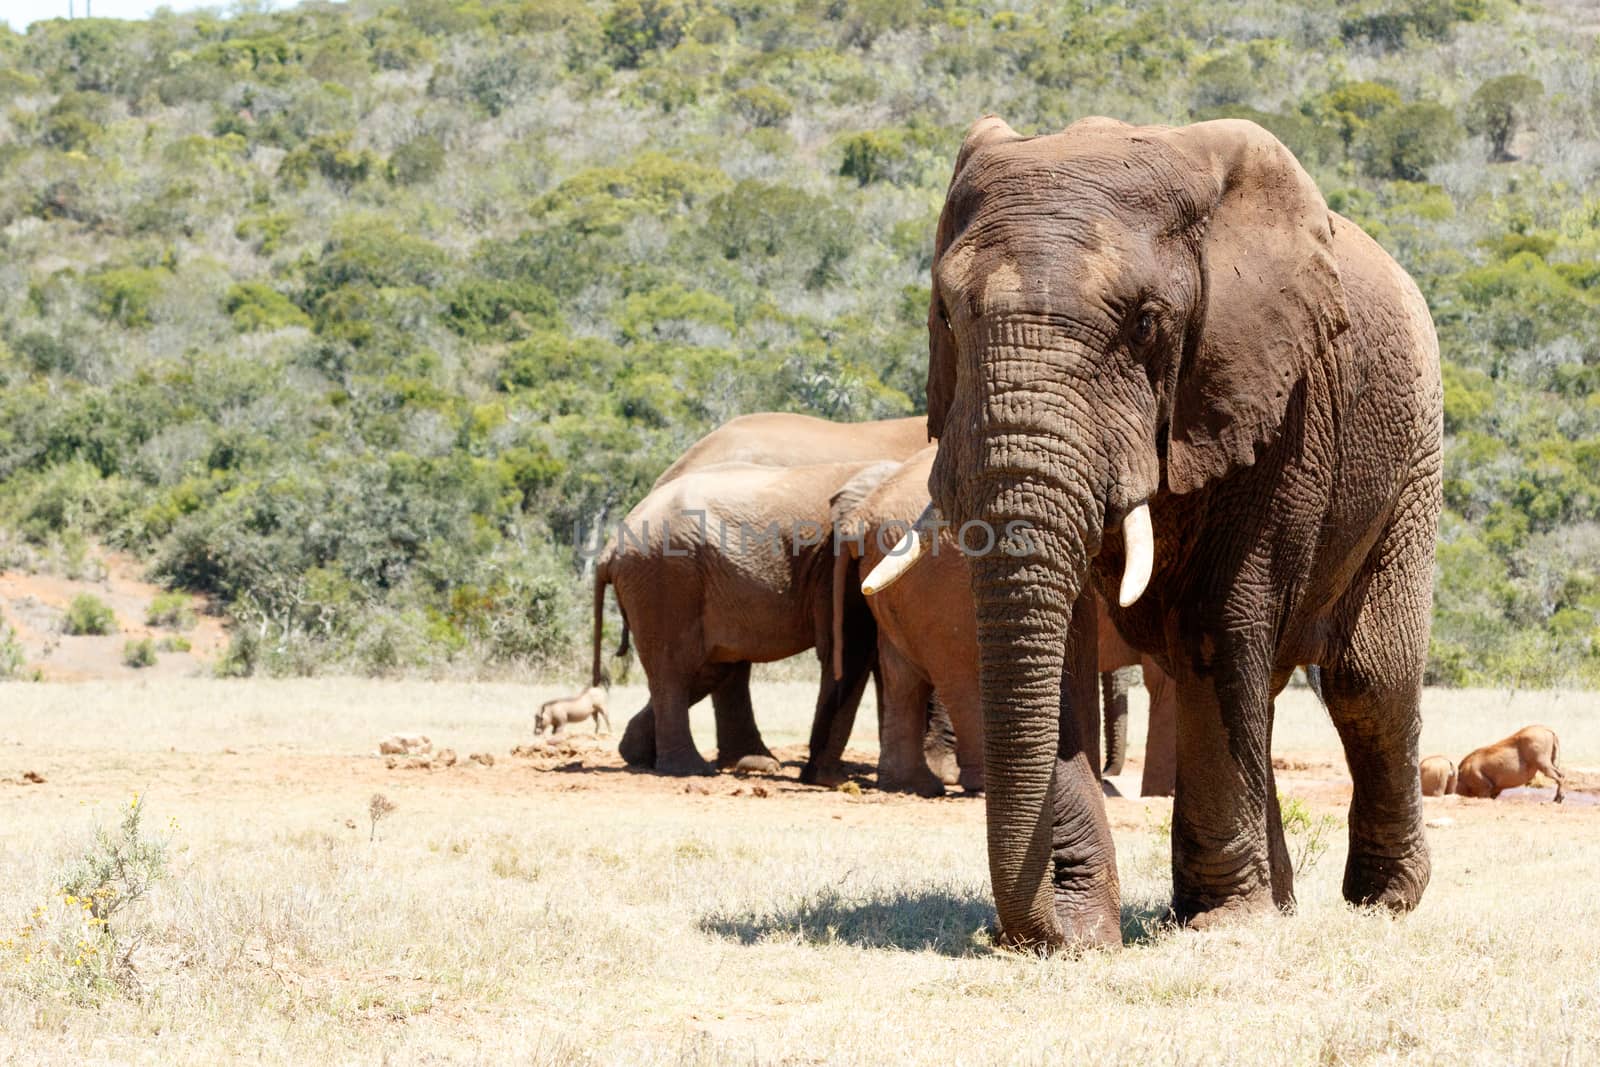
(910, 548)
(1139, 547)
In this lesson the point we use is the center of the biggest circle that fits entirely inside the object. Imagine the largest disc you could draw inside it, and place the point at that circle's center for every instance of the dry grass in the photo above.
(505, 914)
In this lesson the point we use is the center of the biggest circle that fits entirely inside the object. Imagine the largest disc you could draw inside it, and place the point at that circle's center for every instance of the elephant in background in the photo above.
(770, 439)
(927, 639)
(1219, 404)
(1159, 777)
(722, 568)
(781, 439)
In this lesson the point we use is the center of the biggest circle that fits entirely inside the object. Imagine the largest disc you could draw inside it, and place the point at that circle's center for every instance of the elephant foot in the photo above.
(1385, 880)
(683, 764)
(811, 774)
(924, 785)
(943, 766)
(638, 744)
(1230, 911)
(1080, 931)
(972, 779)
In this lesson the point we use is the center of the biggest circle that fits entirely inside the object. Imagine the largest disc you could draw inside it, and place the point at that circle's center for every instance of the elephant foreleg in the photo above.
(1222, 837)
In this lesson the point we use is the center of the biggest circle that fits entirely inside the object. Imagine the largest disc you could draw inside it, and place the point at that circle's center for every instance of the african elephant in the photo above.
(927, 634)
(725, 567)
(1510, 763)
(780, 439)
(769, 439)
(926, 639)
(1219, 403)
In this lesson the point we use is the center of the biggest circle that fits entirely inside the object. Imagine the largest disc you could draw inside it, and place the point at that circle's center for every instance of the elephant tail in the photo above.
(841, 575)
(1314, 680)
(602, 578)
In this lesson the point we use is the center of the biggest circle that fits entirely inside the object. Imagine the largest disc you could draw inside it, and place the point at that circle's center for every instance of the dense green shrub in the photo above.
(125, 295)
(417, 161)
(88, 614)
(762, 106)
(634, 28)
(1403, 142)
(171, 610)
(256, 306)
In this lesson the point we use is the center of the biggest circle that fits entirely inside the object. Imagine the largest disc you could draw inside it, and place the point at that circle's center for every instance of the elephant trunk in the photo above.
(1051, 858)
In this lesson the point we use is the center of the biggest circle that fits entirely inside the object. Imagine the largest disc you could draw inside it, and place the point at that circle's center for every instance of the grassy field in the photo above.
(509, 913)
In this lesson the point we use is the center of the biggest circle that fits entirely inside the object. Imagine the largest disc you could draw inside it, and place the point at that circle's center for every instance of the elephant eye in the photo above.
(1144, 328)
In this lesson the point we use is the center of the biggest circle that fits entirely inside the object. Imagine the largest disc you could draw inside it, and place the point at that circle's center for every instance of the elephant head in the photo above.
(1118, 313)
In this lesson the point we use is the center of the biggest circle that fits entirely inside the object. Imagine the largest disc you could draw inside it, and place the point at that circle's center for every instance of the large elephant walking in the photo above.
(1220, 404)
(768, 439)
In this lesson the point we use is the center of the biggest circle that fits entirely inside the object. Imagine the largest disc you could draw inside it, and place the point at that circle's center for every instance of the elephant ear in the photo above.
(1273, 299)
(989, 130)
(844, 501)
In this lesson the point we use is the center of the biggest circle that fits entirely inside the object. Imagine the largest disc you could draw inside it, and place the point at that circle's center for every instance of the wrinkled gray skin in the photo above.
(1126, 315)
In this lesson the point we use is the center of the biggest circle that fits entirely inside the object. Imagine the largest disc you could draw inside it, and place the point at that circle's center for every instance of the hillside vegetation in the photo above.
(353, 315)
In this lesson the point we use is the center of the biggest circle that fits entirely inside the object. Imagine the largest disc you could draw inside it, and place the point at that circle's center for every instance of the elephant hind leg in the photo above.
(903, 726)
(1373, 689)
(1160, 778)
(737, 733)
(638, 744)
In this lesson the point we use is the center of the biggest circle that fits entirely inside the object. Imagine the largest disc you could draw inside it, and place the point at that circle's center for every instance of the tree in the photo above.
(1499, 107)
(1405, 141)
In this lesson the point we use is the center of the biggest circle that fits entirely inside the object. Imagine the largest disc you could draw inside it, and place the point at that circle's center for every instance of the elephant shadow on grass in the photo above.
(948, 921)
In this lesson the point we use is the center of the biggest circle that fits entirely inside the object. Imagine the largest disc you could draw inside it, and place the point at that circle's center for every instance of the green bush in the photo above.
(256, 306)
(13, 658)
(88, 614)
(417, 161)
(760, 105)
(139, 654)
(1403, 142)
(125, 295)
(170, 609)
(635, 28)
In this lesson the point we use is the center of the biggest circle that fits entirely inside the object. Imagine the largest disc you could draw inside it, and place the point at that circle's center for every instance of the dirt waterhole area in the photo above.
(556, 907)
